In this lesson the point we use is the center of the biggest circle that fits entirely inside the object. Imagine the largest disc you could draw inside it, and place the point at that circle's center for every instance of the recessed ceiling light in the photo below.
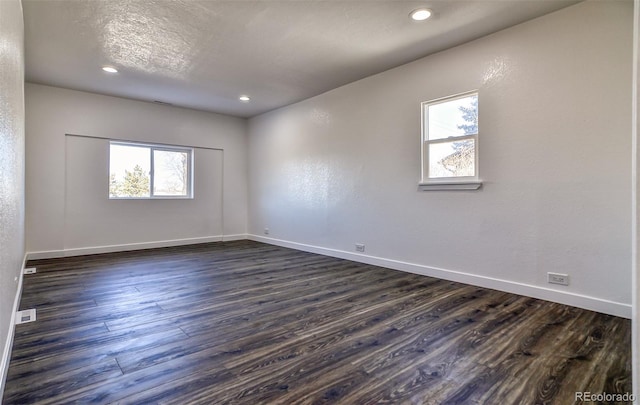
(420, 14)
(244, 99)
(110, 69)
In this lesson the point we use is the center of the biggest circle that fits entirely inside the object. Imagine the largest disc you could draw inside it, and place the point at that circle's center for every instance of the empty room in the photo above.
(328, 201)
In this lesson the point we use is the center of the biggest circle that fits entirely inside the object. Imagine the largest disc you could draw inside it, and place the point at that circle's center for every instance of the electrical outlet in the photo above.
(557, 278)
(266, 231)
(359, 247)
(30, 270)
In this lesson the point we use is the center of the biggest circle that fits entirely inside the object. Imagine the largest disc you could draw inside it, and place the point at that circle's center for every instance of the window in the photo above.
(149, 171)
(450, 140)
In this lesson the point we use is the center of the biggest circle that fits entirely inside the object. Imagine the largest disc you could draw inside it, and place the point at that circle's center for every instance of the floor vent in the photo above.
(30, 270)
(25, 316)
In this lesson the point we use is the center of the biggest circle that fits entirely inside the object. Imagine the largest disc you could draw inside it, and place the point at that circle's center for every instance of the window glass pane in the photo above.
(170, 170)
(452, 159)
(453, 118)
(129, 171)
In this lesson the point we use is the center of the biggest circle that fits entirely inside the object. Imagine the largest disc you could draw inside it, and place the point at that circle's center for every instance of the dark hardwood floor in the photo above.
(248, 323)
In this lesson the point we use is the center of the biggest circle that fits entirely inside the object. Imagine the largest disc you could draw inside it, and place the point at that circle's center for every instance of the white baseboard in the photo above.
(548, 294)
(229, 238)
(50, 254)
(6, 352)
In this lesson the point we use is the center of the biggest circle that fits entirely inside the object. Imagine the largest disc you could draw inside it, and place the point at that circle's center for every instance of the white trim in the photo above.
(152, 149)
(450, 185)
(50, 254)
(6, 352)
(544, 293)
(426, 142)
(239, 236)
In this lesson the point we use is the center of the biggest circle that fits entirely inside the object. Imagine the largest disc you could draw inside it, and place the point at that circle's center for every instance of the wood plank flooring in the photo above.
(249, 323)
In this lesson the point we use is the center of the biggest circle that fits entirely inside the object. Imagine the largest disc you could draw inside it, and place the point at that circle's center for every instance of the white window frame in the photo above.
(454, 182)
(152, 148)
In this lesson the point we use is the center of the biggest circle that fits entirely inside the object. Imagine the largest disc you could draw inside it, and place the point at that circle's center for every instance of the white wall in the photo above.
(11, 169)
(91, 219)
(343, 167)
(66, 211)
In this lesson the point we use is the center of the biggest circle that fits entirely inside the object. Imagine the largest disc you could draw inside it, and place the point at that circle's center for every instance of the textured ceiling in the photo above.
(204, 54)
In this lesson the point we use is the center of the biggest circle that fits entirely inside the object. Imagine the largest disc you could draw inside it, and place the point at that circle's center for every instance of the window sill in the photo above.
(188, 197)
(450, 185)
